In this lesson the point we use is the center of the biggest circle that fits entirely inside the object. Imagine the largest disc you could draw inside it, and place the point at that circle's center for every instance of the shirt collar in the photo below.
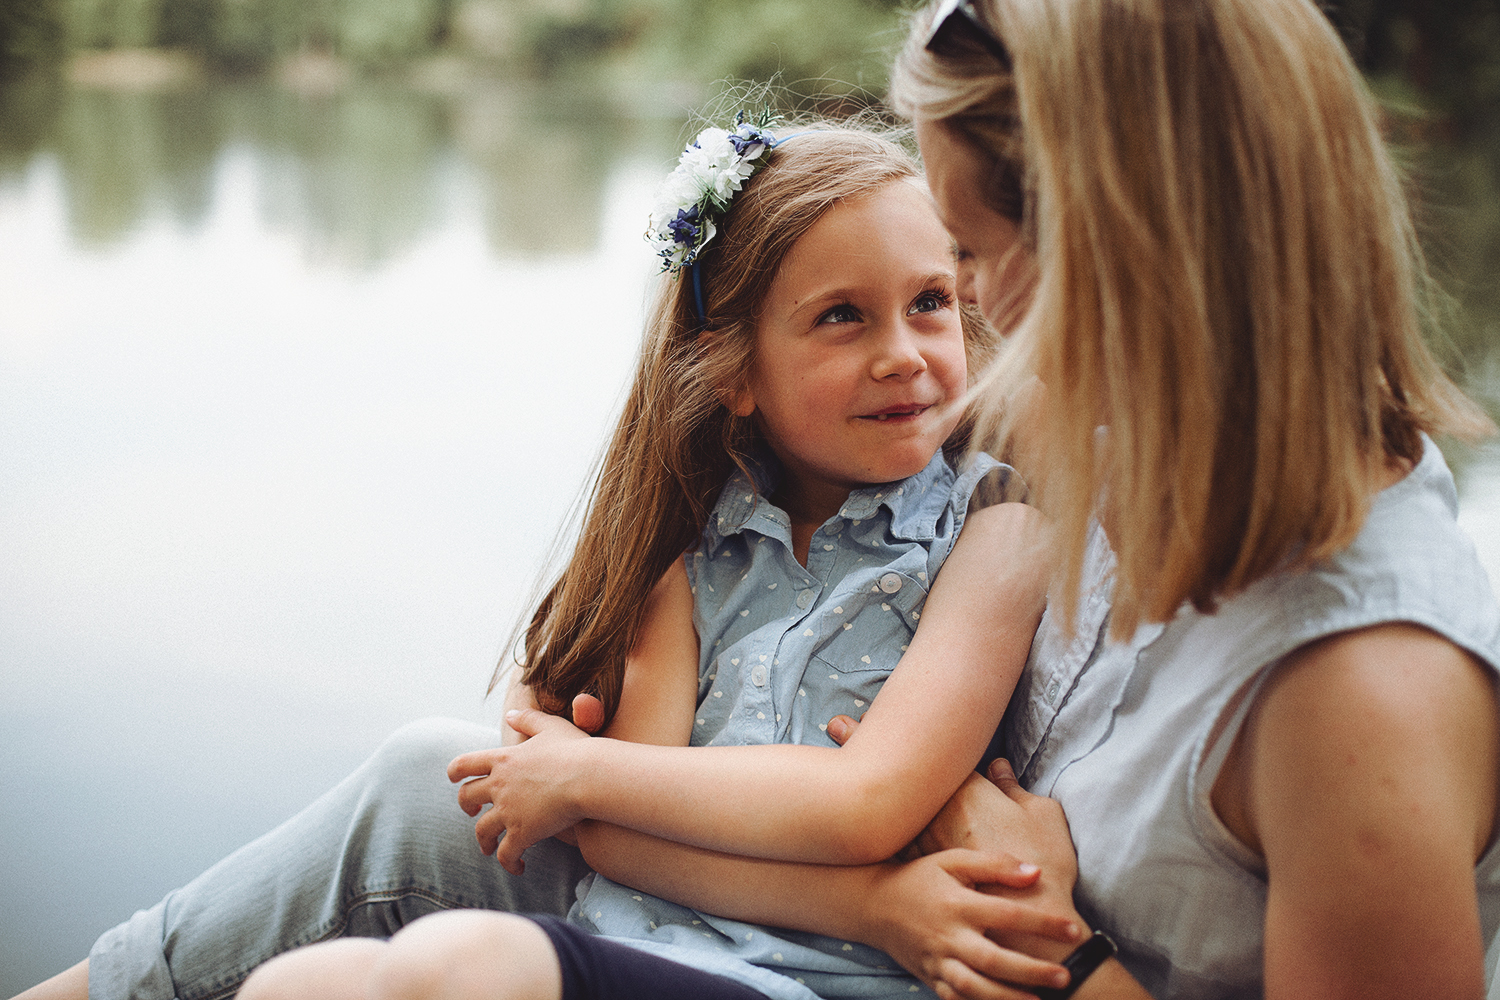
(915, 503)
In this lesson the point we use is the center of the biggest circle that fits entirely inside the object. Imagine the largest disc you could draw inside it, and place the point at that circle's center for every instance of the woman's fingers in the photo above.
(1004, 778)
(841, 727)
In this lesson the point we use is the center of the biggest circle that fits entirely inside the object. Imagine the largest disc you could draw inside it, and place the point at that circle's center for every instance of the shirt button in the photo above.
(804, 598)
(890, 583)
(758, 675)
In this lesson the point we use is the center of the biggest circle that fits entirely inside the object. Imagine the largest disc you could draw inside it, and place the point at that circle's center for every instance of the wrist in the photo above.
(577, 781)
(1085, 965)
(1111, 981)
(872, 919)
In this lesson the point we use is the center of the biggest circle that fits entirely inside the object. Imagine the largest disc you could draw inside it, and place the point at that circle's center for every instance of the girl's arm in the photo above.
(1367, 775)
(946, 942)
(928, 915)
(854, 805)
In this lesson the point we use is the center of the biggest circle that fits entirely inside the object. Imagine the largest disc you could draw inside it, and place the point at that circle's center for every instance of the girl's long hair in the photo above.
(676, 443)
(1228, 310)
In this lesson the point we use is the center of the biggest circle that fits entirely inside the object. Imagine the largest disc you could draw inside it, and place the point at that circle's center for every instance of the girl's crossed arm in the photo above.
(854, 805)
(940, 936)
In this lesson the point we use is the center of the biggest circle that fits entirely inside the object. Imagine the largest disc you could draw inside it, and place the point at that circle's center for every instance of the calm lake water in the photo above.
(293, 394)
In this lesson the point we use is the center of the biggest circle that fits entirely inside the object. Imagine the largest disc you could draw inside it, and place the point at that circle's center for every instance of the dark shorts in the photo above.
(596, 968)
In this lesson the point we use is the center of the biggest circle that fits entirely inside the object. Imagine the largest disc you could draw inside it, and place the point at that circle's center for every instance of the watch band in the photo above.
(1080, 965)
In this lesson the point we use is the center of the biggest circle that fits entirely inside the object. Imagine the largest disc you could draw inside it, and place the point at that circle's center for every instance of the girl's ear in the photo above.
(739, 400)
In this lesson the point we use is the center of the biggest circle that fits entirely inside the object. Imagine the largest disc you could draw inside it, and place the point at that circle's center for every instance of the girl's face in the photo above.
(859, 353)
(994, 270)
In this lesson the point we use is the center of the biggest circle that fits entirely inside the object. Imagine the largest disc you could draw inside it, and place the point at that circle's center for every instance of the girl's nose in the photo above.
(900, 355)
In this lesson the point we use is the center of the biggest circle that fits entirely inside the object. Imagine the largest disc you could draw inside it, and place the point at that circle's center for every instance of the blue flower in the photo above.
(684, 228)
(743, 142)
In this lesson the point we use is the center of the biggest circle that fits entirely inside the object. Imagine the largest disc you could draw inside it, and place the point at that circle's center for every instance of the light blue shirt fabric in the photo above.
(784, 648)
(1124, 734)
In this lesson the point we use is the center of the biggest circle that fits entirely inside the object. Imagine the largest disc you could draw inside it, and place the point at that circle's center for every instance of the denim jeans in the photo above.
(382, 848)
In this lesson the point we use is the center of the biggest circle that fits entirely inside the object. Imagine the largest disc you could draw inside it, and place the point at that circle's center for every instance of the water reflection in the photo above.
(356, 172)
(283, 441)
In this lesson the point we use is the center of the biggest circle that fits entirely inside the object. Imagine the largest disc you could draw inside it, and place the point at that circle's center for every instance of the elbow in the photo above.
(870, 829)
(865, 849)
(594, 846)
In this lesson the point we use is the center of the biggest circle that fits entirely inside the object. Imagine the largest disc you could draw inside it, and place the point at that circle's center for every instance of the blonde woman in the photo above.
(1279, 763)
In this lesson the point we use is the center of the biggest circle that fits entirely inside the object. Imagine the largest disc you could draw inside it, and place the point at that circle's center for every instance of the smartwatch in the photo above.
(1080, 965)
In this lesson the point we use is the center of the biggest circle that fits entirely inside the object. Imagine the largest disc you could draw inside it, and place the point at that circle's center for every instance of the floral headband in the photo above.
(696, 195)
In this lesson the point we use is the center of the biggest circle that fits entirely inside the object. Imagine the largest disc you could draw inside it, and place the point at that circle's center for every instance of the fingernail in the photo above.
(513, 713)
(1028, 869)
(1059, 979)
(836, 728)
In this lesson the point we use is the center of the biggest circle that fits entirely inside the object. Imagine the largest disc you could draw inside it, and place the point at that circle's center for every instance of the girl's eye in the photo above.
(932, 301)
(842, 313)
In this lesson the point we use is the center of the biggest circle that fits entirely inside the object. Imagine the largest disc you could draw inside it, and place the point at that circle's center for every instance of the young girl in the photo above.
(798, 382)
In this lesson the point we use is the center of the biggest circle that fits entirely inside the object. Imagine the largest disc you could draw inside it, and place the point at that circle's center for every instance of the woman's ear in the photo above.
(740, 402)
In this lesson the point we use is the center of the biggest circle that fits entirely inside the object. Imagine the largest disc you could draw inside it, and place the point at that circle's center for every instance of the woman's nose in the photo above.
(964, 286)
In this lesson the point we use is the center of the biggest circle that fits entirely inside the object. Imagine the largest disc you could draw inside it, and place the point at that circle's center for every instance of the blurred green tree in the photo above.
(31, 36)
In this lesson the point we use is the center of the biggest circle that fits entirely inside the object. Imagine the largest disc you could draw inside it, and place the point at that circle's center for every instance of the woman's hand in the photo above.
(932, 915)
(997, 817)
(526, 786)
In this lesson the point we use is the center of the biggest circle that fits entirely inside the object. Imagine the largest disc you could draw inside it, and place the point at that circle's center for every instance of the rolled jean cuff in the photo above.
(127, 960)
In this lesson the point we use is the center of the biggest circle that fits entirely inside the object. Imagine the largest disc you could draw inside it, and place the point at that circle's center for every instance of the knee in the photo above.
(464, 954)
(419, 749)
(334, 970)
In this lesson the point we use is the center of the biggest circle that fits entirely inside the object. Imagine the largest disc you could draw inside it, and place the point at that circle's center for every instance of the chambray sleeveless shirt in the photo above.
(1123, 734)
(782, 649)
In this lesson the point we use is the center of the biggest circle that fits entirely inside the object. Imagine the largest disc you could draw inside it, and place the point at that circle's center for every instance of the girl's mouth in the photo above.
(897, 413)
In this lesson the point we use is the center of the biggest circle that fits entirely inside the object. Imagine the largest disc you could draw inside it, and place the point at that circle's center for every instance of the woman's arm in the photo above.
(856, 805)
(996, 817)
(1366, 775)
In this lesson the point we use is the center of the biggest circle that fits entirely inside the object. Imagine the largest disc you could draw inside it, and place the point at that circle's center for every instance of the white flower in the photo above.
(708, 175)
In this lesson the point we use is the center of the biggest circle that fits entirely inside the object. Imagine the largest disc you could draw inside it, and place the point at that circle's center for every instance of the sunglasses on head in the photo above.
(956, 28)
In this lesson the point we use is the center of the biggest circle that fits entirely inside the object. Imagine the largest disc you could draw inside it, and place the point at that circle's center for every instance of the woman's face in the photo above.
(994, 269)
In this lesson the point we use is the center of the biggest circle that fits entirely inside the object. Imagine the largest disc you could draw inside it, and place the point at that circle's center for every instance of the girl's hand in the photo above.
(526, 785)
(932, 917)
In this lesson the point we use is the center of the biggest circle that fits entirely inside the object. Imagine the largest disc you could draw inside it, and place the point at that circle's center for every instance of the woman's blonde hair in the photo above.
(1227, 280)
(676, 443)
